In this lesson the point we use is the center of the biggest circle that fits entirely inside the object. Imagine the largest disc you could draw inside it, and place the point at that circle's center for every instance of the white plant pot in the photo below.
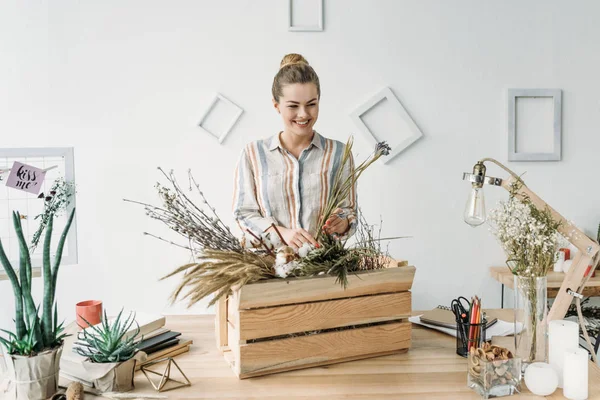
(117, 379)
(32, 378)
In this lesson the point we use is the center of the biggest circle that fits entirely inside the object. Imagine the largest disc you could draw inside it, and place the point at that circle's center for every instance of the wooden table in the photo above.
(429, 370)
(555, 279)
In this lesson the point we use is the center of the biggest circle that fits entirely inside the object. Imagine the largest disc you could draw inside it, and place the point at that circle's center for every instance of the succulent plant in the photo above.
(34, 333)
(108, 341)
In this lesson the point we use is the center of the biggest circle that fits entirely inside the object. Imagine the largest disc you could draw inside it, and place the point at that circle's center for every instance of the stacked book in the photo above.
(154, 339)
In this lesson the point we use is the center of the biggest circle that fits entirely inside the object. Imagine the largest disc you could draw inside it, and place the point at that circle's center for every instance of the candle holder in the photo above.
(492, 374)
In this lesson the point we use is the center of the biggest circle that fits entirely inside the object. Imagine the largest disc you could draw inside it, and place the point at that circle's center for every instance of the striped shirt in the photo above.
(272, 186)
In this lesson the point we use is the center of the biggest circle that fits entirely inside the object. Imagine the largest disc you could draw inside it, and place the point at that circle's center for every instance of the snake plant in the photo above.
(109, 341)
(34, 333)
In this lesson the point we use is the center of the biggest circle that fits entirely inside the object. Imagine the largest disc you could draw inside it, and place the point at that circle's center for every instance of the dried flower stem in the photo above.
(261, 242)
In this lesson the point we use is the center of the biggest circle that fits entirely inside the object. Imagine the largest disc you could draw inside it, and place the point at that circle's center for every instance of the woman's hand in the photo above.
(335, 224)
(296, 237)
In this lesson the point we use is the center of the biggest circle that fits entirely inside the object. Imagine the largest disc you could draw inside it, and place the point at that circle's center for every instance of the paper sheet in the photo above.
(500, 328)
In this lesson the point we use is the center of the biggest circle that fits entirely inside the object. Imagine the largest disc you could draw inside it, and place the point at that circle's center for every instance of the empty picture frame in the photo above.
(305, 15)
(412, 133)
(227, 114)
(552, 129)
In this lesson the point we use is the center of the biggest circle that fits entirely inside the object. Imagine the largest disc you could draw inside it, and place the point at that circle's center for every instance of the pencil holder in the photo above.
(469, 335)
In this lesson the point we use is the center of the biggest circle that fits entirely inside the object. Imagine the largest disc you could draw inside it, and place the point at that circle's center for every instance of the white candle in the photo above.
(562, 335)
(575, 376)
(558, 265)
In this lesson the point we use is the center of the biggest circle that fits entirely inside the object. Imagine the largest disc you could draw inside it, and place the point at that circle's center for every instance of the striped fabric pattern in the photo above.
(272, 186)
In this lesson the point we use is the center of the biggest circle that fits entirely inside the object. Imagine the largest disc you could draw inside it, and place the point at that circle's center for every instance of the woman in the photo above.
(286, 180)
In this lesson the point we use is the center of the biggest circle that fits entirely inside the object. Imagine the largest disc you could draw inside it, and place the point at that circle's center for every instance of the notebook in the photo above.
(444, 317)
(159, 342)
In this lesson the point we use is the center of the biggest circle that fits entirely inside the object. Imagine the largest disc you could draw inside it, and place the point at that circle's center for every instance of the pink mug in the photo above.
(91, 310)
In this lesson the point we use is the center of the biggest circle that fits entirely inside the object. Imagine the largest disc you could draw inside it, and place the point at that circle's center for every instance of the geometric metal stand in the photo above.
(165, 376)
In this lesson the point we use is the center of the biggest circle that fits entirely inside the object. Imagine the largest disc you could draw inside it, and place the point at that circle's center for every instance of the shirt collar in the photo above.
(317, 141)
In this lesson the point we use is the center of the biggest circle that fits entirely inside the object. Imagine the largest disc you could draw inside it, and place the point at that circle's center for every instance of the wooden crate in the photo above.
(254, 326)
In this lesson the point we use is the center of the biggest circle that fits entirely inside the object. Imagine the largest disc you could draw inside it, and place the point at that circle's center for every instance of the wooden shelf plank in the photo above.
(555, 280)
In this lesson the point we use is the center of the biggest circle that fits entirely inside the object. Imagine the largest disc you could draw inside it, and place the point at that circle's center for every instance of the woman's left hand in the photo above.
(335, 224)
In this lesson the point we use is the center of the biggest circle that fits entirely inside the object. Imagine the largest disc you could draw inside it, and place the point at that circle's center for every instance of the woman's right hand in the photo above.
(295, 238)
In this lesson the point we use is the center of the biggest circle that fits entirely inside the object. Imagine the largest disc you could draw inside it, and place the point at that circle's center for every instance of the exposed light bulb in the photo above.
(475, 209)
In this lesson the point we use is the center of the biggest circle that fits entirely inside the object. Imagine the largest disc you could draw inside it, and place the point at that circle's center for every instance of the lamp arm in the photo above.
(504, 167)
(586, 246)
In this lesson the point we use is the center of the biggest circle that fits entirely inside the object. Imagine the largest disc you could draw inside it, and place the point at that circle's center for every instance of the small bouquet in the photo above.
(529, 236)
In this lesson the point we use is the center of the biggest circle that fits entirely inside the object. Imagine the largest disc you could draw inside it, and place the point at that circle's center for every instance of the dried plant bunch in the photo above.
(218, 272)
(222, 263)
(199, 225)
(342, 186)
(108, 341)
(55, 202)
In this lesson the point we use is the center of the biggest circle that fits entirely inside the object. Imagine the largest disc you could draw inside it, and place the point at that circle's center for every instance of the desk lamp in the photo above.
(573, 284)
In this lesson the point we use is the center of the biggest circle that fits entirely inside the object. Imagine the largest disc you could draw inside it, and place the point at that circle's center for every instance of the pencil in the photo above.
(472, 321)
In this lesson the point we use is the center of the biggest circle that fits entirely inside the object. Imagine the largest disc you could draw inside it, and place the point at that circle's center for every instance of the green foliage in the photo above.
(107, 342)
(34, 333)
(333, 258)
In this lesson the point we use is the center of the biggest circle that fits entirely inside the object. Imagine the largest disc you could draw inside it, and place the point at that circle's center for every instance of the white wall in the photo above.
(125, 83)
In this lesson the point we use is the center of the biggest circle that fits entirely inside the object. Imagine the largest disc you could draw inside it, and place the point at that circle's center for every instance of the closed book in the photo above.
(165, 345)
(154, 333)
(147, 323)
(148, 345)
(182, 347)
(444, 317)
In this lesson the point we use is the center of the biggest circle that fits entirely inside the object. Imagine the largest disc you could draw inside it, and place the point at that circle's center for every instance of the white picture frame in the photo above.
(387, 94)
(70, 256)
(317, 27)
(220, 136)
(556, 153)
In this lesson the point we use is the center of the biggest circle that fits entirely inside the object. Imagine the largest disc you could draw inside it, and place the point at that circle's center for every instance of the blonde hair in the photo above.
(293, 69)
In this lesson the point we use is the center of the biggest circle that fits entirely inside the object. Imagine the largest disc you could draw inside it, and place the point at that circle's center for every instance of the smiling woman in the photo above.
(284, 181)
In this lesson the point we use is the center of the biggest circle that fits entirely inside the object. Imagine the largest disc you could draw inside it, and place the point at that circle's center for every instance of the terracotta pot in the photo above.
(91, 310)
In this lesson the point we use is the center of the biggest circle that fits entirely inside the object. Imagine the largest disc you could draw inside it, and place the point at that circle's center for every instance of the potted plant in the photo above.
(111, 352)
(32, 352)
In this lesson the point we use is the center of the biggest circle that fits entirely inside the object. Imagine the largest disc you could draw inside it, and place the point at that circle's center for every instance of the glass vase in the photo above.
(531, 325)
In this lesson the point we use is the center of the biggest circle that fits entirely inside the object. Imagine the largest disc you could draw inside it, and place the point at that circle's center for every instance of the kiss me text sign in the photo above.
(25, 177)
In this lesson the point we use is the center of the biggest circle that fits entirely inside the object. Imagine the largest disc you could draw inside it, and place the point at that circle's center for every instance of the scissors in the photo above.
(461, 308)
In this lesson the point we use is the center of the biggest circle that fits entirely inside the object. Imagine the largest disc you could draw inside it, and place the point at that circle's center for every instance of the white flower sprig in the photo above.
(529, 236)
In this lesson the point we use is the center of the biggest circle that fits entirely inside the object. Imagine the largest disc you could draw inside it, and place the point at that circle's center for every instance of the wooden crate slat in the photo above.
(275, 292)
(320, 349)
(233, 316)
(234, 347)
(275, 321)
(221, 323)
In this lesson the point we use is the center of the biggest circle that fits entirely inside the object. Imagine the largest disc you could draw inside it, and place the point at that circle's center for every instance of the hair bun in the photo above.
(292, 58)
